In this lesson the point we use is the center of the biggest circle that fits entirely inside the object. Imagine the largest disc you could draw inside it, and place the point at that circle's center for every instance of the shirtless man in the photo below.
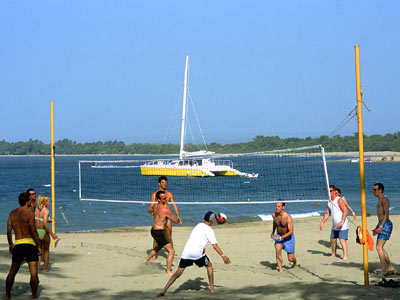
(162, 182)
(25, 247)
(284, 237)
(161, 213)
(383, 229)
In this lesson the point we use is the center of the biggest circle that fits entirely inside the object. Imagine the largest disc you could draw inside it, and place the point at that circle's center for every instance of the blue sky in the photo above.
(114, 69)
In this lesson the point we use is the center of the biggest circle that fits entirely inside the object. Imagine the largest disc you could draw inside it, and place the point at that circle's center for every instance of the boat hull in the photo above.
(154, 171)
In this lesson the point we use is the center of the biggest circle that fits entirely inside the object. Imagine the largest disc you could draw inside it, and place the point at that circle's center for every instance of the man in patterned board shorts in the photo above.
(383, 229)
(194, 252)
(26, 246)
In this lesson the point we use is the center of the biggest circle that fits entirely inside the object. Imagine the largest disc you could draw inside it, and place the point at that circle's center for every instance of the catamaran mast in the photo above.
(184, 109)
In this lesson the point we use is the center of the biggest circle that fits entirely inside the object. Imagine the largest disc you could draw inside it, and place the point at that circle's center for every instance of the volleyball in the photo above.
(221, 218)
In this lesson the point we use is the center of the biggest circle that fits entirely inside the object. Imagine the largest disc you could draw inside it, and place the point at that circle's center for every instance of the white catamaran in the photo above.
(191, 163)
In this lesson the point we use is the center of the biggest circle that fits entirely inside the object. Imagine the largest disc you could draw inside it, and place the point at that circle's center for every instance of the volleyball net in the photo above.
(291, 175)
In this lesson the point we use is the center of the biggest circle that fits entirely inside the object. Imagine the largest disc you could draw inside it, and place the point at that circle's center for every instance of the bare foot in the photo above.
(45, 270)
(212, 290)
(154, 258)
(160, 294)
(390, 270)
(169, 273)
(333, 256)
(345, 257)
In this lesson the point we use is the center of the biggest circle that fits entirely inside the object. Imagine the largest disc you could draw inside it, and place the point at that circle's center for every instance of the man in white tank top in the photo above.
(340, 225)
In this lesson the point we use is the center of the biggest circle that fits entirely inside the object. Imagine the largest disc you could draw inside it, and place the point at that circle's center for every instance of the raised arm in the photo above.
(153, 201)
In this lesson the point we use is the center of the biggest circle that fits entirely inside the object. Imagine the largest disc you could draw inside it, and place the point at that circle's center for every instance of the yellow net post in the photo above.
(53, 201)
(361, 160)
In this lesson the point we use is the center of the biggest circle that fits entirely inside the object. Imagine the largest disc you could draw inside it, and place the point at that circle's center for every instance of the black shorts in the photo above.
(26, 252)
(201, 262)
(160, 236)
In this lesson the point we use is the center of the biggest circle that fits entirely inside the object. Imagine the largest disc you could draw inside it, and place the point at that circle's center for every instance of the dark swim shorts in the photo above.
(26, 252)
(201, 262)
(160, 236)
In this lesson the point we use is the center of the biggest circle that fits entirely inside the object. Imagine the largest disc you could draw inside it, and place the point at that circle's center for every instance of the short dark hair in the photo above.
(380, 186)
(280, 201)
(30, 190)
(23, 198)
(162, 178)
(158, 194)
(208, 217)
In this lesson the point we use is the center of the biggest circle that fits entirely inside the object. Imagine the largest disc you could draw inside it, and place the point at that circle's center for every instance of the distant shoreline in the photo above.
(374, 154)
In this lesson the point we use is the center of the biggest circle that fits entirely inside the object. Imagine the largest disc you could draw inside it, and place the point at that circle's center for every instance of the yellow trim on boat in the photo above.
(153, 171)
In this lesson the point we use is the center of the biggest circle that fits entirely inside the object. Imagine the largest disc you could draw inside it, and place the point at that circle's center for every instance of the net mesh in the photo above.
(293, 175)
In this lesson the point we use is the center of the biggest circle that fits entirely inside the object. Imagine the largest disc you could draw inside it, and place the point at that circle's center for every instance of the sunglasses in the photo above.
(32, 193)
(375, 190)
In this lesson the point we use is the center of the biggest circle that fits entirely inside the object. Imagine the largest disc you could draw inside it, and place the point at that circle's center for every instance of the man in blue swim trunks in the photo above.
(284, 237)
(383, 229)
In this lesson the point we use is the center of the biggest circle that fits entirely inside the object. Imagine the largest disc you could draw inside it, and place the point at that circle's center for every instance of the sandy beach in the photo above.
(108, 265)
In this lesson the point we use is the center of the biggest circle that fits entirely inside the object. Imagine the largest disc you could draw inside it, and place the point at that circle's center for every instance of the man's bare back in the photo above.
(161, 214)
(22, 221)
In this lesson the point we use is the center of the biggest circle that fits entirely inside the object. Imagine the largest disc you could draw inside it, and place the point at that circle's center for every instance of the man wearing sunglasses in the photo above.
(340, 225)
(383, 229)
(32, 198)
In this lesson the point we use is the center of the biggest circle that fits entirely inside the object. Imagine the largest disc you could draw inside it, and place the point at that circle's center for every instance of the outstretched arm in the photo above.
(223, 256)
(349, 207)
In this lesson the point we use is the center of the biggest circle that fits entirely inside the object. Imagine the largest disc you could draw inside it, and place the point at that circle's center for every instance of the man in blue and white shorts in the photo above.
(284, 237)
(383, 229)
(340, 225)
(194, 251)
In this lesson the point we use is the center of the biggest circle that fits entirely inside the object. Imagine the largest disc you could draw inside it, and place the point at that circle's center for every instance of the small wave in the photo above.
(294, 216)
(46, 185)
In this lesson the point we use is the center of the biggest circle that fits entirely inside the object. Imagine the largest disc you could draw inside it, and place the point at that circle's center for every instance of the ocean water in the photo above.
(19, 173)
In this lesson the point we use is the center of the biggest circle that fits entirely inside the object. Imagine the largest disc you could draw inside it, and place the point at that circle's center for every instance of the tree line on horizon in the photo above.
(376, 142)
